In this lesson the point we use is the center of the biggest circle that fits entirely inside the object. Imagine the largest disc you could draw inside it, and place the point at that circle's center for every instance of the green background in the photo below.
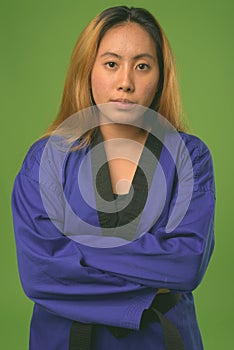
(37, 38)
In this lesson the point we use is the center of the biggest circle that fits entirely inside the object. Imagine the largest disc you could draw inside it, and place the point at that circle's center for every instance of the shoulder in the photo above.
(201, 159)
(195, 145)
(48, 157)
(33, 157)
(182, 145)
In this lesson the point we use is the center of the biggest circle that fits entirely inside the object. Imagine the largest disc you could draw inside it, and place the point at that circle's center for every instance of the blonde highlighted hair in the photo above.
(77, 94)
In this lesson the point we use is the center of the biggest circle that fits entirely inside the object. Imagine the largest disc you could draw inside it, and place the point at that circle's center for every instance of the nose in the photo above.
(126, 80)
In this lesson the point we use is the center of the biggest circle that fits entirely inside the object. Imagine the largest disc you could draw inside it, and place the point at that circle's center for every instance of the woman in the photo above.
(114, 231)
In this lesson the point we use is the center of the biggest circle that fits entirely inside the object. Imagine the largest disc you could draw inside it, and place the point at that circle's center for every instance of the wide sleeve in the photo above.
(52, 269)
(174, 259)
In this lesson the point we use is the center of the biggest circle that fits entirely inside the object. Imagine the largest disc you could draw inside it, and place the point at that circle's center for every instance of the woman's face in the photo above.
(126, 68)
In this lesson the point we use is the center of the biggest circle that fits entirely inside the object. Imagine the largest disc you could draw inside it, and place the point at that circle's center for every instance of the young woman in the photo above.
(114, 229)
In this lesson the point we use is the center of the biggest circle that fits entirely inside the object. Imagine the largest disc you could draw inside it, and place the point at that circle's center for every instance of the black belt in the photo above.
(81, 333)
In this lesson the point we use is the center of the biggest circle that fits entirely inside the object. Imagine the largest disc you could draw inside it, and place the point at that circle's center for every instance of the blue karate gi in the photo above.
(69, 273)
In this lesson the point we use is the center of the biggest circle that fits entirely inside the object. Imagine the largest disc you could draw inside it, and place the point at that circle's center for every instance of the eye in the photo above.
(143, 66)
(110, 64)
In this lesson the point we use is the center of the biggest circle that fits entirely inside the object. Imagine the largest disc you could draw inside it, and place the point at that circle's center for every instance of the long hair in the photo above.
(77, 94)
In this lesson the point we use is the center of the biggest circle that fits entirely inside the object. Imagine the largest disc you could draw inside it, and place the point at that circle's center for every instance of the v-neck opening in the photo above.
(98, 139)
(140, 187)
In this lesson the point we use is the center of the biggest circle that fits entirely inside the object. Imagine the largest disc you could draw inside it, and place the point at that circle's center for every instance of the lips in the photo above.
(123, 100)
(123, 104)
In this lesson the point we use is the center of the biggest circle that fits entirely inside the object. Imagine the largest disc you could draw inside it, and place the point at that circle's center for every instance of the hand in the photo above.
(162, 290)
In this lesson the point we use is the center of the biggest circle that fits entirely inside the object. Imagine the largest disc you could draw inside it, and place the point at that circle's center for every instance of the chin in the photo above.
(112, 112)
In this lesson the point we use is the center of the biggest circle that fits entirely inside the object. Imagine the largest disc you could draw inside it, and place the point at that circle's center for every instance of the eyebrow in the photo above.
(141, 55)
